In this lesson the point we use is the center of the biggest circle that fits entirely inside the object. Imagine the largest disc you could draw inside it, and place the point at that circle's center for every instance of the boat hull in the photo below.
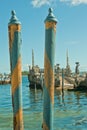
(35, 86)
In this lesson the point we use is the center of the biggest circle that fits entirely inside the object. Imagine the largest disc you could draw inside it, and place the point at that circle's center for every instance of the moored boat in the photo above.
(35, 79)
(5, 79)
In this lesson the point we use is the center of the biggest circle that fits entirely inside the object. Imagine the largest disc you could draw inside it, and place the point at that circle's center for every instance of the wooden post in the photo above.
(50, 32)
(14, 28)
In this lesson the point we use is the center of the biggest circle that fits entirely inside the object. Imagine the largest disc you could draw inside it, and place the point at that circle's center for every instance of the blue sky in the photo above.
(71, 31)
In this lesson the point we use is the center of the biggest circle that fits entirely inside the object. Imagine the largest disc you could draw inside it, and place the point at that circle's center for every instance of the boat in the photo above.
(5, 82)
(80, 85)
(35, 78)
(36, 75)
(5, 79)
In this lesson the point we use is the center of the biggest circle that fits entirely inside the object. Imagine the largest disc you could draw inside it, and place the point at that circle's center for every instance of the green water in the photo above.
(69, 109)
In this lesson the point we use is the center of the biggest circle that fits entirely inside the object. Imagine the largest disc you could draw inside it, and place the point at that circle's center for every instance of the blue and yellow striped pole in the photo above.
(14, 28)
(50, 32)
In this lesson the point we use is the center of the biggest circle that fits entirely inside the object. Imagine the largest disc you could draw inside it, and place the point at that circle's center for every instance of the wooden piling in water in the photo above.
(50, 32)
(14, 28)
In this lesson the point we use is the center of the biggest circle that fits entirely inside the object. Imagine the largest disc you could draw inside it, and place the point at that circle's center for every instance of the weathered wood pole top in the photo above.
(13, 19)
(51, 17)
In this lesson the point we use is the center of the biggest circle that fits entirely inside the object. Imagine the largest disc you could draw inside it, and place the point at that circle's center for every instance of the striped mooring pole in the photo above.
(50, 32)
(14, 30)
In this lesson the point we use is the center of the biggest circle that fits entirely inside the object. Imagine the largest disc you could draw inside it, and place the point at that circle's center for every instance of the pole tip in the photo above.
(50, 11)
(50, 16)
(14, 19)
(13, 12)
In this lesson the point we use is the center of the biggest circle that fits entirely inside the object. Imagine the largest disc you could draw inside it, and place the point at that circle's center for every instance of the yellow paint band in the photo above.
(18, 120)
(12, 29)
(16, 76)
(50, 25)
(45, 127)
(49, 77)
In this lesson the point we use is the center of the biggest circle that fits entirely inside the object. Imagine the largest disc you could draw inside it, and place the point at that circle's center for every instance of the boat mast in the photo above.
(32, 58)
(67, 58)
(68, 70)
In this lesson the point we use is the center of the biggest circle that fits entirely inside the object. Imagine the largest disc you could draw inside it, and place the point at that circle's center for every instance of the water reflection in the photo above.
(69, 109)
(35, 100)
(35, 95)
(60, 96)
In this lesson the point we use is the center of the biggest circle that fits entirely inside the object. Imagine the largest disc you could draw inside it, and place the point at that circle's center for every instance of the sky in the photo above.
(71, 31)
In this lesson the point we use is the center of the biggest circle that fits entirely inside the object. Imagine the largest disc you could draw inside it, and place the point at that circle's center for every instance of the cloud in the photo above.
(39, 3)
(72, 42)
(74, 2)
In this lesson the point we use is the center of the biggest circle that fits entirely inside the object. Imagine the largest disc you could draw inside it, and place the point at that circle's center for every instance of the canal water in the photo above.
(70, 109)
